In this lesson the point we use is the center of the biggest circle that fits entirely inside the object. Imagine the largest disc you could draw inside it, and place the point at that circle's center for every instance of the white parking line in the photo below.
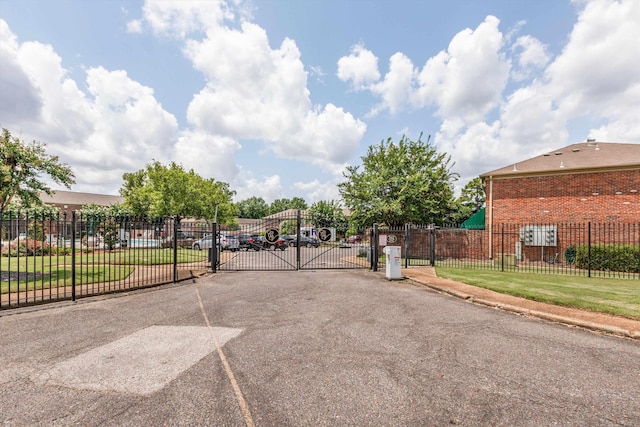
(246, 413)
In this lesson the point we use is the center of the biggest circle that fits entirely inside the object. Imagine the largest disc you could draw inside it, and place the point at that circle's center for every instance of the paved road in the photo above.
(307, 348)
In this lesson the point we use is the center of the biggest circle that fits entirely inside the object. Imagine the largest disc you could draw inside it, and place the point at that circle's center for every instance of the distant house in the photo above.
(69, 201)
(588, 181)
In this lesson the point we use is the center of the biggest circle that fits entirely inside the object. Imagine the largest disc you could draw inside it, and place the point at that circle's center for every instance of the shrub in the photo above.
(26, 248)
(623, 258)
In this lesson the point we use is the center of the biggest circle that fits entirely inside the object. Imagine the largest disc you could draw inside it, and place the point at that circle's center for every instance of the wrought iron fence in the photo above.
(584, 249)
(48, 258)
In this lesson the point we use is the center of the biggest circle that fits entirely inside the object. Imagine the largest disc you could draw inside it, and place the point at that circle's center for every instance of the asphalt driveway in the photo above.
(306, 348)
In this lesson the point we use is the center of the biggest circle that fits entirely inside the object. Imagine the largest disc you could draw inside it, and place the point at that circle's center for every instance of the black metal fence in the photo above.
(46, 258)
(585, 249)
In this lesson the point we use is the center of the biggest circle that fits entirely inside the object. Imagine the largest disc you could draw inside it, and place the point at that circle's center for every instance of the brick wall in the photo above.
(598, 196)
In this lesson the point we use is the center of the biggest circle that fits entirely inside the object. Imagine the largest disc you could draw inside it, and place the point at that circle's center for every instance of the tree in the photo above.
(328, 214)
(280, 205)
(160, 191)
(253, 207)
(22, 167)
(407, 182)
(471, 200)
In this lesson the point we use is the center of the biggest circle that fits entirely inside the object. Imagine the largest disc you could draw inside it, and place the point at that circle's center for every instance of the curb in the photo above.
(608, 329)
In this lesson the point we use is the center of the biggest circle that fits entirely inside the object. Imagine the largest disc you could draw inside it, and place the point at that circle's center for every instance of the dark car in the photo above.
(280, 244)
(309, 242)
(250, 242)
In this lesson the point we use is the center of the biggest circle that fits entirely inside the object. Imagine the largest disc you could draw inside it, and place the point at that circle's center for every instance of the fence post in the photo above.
(407, 230)
(432, 245)
(589, 248)
(298, 221)
(502, 248)
(73, 254)
(374, 248)
(176, 223)
(214, 247)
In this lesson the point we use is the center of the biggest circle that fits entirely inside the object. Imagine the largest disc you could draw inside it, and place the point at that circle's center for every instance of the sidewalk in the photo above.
(586, 319)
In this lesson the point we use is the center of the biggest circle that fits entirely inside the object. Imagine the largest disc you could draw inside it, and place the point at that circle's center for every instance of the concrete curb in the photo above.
(598, 327)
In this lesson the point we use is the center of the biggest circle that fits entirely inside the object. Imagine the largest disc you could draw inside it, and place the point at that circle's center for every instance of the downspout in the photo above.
(490, 208)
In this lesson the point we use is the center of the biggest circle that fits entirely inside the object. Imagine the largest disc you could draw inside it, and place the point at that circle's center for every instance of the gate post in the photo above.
(432, 244)
(73, 253)
(214, 247)
(176, 223)
(374, 248)
(407, 230)
(298, 220)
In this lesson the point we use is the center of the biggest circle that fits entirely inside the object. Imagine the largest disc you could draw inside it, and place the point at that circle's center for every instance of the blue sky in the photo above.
(277, 97)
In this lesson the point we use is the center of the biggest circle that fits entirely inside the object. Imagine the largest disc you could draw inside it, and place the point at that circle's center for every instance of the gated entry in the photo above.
(289, 241)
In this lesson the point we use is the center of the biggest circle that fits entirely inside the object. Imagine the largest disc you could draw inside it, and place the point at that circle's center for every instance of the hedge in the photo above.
(623, 258)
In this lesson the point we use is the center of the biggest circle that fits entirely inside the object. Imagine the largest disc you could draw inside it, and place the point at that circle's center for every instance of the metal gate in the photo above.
(289, 241)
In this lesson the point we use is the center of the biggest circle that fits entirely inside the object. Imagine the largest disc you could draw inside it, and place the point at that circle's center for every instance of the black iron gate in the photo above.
(290, 241)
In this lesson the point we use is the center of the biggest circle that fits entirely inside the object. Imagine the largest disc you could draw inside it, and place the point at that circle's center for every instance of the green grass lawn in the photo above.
(620, 297)
(91, 267)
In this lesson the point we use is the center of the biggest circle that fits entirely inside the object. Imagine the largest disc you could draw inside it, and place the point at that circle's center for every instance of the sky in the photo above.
(277, 97)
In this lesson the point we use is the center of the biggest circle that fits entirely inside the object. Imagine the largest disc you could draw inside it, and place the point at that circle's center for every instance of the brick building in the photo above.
(589, 181)
(585, 182)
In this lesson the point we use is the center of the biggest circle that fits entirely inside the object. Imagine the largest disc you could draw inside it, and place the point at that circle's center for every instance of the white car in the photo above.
(227, 243)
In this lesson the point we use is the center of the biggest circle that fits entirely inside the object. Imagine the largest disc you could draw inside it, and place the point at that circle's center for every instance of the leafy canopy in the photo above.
(22, 167)
(160, 190)
(399, 183)
(253, 207)
(328, 214)
(280, 205)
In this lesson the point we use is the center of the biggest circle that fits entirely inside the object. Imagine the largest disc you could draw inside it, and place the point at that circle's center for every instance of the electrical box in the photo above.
(539, 235)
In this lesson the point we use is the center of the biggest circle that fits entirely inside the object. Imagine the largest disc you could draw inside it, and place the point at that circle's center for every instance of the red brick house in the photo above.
(589, 181)
(585, 182)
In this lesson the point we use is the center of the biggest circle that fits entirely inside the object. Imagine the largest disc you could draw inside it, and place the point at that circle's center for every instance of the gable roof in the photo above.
(75, 198)
(580, 157)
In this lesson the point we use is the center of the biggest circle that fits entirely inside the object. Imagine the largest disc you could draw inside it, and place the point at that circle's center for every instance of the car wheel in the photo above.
(196, 247)
(309, 245)
(282, 248)
(272, 247)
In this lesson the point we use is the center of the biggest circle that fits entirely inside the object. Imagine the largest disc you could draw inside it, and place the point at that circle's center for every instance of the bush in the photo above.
(26, 248)
(623, 258)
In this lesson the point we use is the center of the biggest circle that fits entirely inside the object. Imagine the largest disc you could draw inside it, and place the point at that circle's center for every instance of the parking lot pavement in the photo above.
(306, 348)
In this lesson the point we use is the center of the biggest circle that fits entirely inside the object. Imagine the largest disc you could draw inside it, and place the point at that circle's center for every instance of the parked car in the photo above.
(354, 239)
(184, 240)
(250, 242)
(227, 243)
(280, 244)
(309, 242)
(204, 243)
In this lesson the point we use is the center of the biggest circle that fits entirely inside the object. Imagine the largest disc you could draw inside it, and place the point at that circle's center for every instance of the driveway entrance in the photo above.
(290, 241)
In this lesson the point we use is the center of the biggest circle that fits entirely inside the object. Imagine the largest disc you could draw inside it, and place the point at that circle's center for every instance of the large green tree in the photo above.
(253, 207)
(398, 183)
(328, 214)
(23, 167)
(160, 190)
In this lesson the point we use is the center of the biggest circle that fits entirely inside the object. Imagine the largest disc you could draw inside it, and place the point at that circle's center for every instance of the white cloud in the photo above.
(269, 188)
(115, 127)
(396, 87)
(532, 55)
(315, 191)
(360, 68)
(134, 26)
(468, 79)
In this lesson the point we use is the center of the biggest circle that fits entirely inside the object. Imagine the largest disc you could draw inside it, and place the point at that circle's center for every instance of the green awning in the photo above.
(476, 222)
